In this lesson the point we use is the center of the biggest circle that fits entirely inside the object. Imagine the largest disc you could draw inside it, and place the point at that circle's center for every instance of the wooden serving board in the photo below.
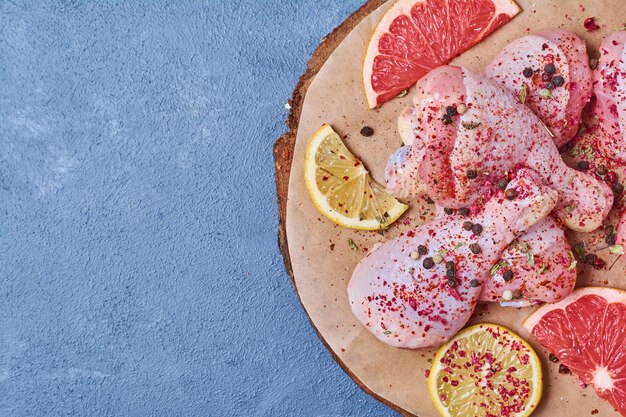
(315, 252)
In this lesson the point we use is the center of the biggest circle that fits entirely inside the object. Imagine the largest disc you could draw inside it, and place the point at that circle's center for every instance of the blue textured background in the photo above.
(140, 274)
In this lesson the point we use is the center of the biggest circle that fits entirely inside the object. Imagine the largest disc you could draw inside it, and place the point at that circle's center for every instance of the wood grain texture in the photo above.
(283, 156)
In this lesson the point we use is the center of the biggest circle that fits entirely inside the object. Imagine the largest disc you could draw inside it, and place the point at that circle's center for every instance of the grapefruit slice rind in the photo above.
(587, 332)
(415, 36)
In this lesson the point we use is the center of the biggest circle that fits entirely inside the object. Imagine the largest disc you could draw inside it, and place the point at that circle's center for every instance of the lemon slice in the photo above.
(486, 370)
(341, 187)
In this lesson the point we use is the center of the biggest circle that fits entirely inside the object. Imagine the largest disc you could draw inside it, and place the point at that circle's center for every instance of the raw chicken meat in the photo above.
(610, 90)
(572, 79)
(540, 265)
(420, 289)
(541, 268)
(494, 135)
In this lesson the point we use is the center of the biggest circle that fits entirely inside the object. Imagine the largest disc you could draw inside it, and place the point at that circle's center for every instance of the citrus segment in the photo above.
(587, 332)
(486, 370)
(415, 36)
(341, 187)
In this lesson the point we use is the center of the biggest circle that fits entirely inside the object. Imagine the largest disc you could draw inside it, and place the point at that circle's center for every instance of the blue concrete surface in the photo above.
(139, 270)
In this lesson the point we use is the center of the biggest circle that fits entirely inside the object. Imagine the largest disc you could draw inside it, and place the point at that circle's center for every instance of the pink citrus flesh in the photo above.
(587, 332)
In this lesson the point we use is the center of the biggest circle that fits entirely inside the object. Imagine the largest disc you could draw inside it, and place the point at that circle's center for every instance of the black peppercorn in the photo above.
(477, 229)
(422, 250)
(546, 77)
(528, 72)
(511, 194)
(472, 174)
(563, 369)
(552, 358)
(590, 258)
(474, 283)
(508, 275)
(475, 248)
(464, 211)
(550, 69)
(428, 263)
(617, 188)
(448, 211)
(558, 81)
(468, 226)
(583, 165)
(450, 265)
(608, 230)
(517, 294)
(451, 111)
(503, 183)
(451, 273)
(452, 283)
(367, 131)
(446, 119)
(550, 86)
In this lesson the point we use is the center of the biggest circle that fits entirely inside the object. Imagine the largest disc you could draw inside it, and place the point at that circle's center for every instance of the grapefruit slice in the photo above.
(415, 36)
(587, 332)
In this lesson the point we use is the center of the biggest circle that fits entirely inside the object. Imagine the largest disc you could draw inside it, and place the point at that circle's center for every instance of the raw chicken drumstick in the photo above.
(463, 155)
(536, 267)
(521, 69)
(420, 289)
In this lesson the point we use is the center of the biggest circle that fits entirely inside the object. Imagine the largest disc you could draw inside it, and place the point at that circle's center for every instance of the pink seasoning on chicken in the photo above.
(419, 290)
(494, 134)
(557, 94)
(610, 90)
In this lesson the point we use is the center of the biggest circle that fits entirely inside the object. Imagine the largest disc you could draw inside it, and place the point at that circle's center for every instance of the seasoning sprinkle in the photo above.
(507, 295)
(451, 111)
(472, 174)
(558, 81)
(470, 125)
(464, 211)
(367, 131)
(353, 245)
(503, 183)
(523, 94)
(452, 283)
(448, 211)
(550, 69)
(446, 119)
(528, 72)
(617, 188)
(461, 108)
(517, 294)
(422, 249)
(511, 194)
(474, 283)
(437, 259)
(415, 255)
(477, 229)
(508, 275)
(593, 63)
(545, 93)
(552, 358)
(601, 170)
(428, 263)
(475, 248)
(546, 77)
(583, 165)
(468, 225)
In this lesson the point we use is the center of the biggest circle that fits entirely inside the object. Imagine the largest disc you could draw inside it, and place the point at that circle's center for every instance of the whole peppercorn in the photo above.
(610, 240)
(367, 131)
(422, 250)
(446, 119)
(552, 358)
(563, 369)
(450, 265)
(461, 108)
(511, 194)
(503, 183)
(464, 211)
(451, 111)
(550, 69)
(608, 230)
(452, 283)
(472, 174)
(583, 165)
(517, 294)
(468, 225)
(550, 86)
(590, 258)
(475, 248)
(611, 177)
(508, 275)
(451, 273)
(546, 77)
(599, 263)
(528, 72)
(428, 263)
(601, 170)
(477, 229)
(474, 283)
(448, 211)
(617, 188)
(558, 81)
